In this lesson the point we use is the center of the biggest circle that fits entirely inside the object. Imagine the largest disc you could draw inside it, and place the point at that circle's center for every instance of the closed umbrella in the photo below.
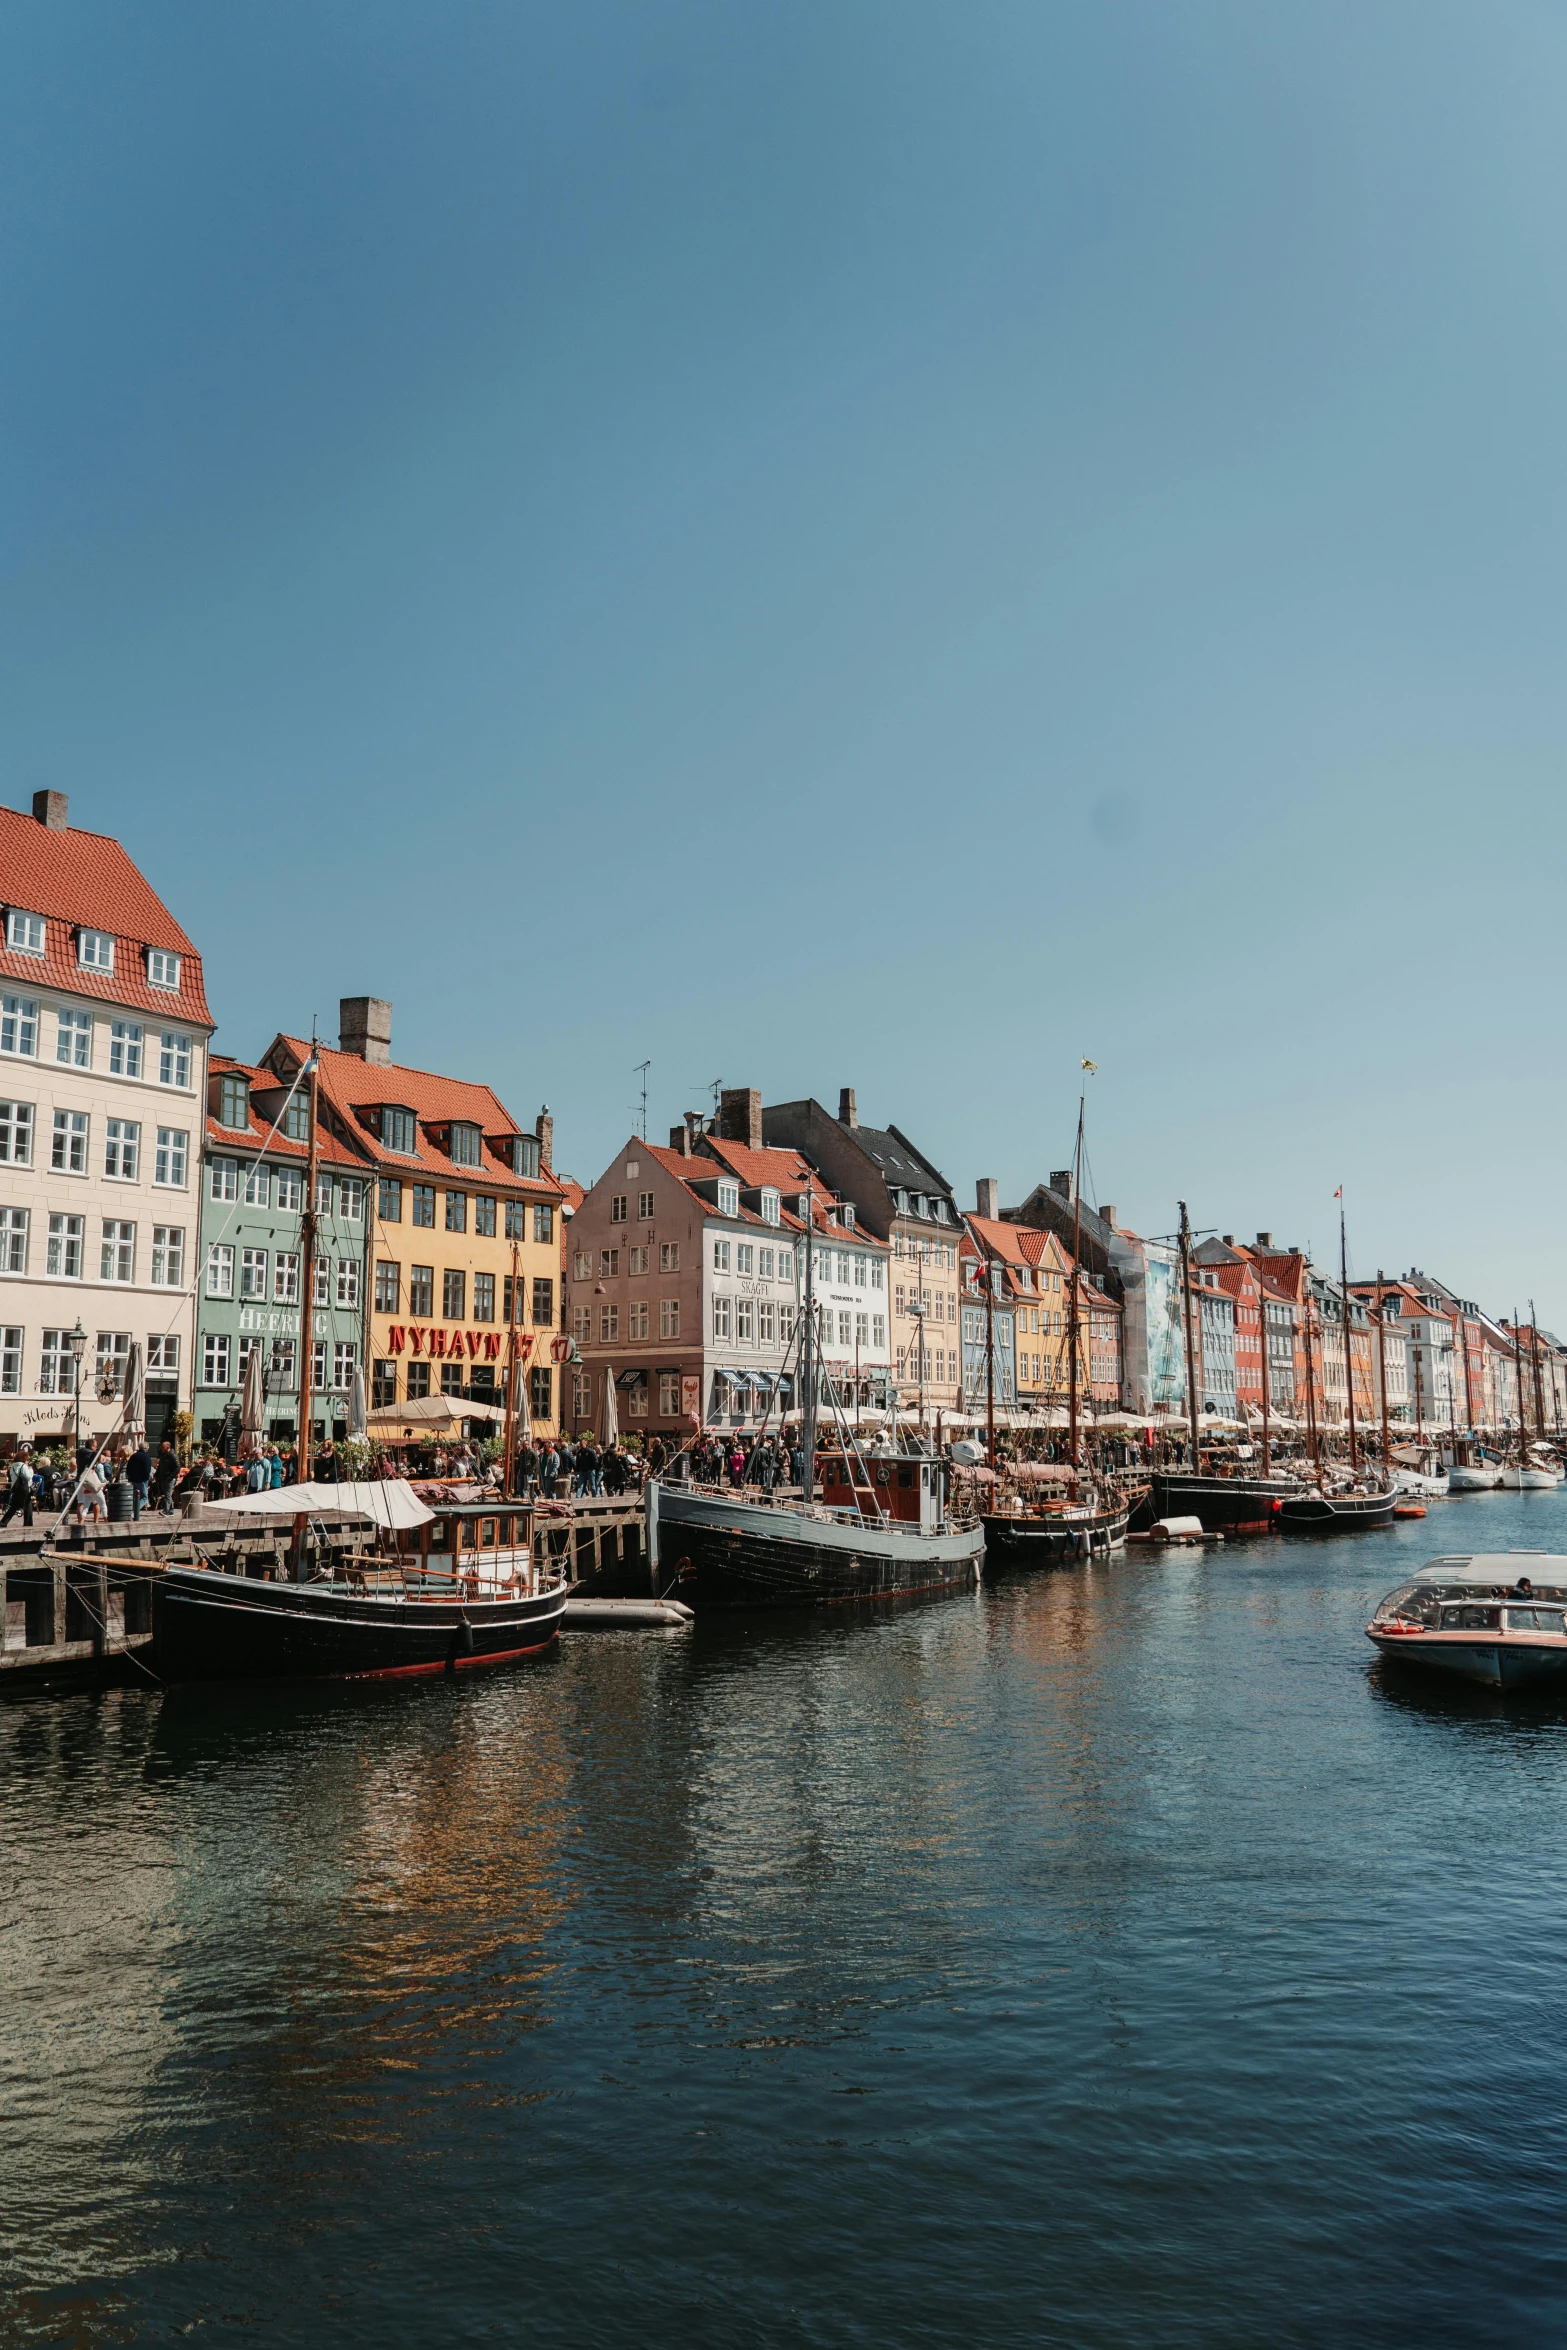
(523, 1405)
(253, 1401)
(611, 1422)
(356, 1403)
(135, 1408)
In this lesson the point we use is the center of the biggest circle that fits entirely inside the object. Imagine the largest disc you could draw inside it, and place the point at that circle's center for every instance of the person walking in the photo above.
(19, 1490)
(138, 1470)
(164, 1471)
(549, 1470)
(89, 1497)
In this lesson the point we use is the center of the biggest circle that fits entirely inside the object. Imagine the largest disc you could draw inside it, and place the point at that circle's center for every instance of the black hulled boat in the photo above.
(1226, 1505)
(1311, 1512)
(1055, 1534)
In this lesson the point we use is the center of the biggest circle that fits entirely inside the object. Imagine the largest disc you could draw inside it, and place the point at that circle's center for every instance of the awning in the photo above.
(392, 1503)
(430, 1415)
(631, 1379)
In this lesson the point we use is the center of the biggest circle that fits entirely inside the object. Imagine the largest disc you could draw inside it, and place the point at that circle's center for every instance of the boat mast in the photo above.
(1077, 1275)
(509, 1440)
(1523, 1417)
(1534, 1356)
(1420, 1408)
(1387, 1456)
(808, 1347)
(1267, 1374)
(1186, 1317)
(990, 1357)
(1313, 1436)
(1349, 1361)
(307, 1253)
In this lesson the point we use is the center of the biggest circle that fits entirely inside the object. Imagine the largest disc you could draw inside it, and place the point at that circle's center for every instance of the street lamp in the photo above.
(77, 1342)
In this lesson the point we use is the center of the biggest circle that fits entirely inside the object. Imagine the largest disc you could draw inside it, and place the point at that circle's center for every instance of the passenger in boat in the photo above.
(1522, 1589)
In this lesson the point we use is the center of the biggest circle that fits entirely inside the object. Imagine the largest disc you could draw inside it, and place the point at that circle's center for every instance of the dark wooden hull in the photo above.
(1225, 1505)
(1330, 1513)
(213, 1627)
(714, 1552)
(1057, 1542)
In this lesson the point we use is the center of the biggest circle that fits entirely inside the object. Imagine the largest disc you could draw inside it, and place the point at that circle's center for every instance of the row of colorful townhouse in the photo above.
(152, 1191)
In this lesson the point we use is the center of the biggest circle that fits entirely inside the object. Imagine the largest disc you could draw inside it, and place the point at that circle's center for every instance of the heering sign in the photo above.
(452, 1345)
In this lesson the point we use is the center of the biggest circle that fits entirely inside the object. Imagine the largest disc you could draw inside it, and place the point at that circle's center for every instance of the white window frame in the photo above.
(168, 1261)
(16, 1134)
(11, 1358)
(171, 1158)
(218, 1280)
(288, 1190)
(347, 1290)
(253, 1274)
(26, 934)
(669, 1256)
(95, 950)
(174, 1059)
(117, 1251)
(121, 1149)
(14, 1227)
(285, 1277)
(163, 969)
(19, 1027)
(163, 1353)
(669, 1317)
(729, 1199)
(216, 1355)
(66, 1241)
(127, 1043)
(222, 1178)
(721, 1317)
(73, 1039)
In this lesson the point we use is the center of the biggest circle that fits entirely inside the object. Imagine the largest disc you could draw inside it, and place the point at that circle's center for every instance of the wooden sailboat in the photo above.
(1360, 1503)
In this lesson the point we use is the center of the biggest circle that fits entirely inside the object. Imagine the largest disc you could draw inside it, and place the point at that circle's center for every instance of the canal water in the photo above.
(1116, 1956)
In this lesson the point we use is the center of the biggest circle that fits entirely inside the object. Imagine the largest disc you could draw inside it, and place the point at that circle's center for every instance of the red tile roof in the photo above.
(785, 1170)
(84, 880)
(256, 1134)
(350, 1085)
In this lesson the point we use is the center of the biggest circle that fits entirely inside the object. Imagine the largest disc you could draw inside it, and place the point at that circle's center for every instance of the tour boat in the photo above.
(1480, 1618)
(1051, 1533)
(879, 1531)
(1313, 1512)
(442, 1589)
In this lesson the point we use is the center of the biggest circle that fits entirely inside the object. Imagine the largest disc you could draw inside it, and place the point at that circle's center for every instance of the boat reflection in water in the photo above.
(1480, 1617)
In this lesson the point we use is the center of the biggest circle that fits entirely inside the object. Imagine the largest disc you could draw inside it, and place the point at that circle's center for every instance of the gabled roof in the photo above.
(84, 880)
(256, 1135)
(352, 1086)
(782, 1170)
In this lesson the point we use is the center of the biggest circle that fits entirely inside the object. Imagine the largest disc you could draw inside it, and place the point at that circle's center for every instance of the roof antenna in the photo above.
(717, 1092)
(641, 1071)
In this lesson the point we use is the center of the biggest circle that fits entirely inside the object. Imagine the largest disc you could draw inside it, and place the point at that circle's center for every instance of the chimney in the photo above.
(364, 1028)
(985, 1191)
(544, 1128)
(1228, 1239)
(1265, 1242)
(49, 809)
(1061, 1181)
(848, 1115)
(1107, 1216)
(740, 1116)
(680, 1136)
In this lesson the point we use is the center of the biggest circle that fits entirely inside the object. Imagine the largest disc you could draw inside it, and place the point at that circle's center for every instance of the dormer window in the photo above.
(95, 950)
(901, 1198)
(466, 1147)
(802, 1207)
(163, 970)
(25, 934)
(848, 1215)
(233, 1102)
(729, 1199)
(921, 1204)
(772, 1205)
(525, 1154)
(296, 1119)
(399, 1129)
(940, 1207)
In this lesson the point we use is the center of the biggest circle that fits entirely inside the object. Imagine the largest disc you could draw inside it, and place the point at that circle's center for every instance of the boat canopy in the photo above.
(391, 1503)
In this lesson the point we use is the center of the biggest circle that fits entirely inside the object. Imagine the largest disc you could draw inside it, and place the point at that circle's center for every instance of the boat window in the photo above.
(441, 1535)
(486, 1533)
(1471, 1619)
(905, 1477)
(1534, 1619)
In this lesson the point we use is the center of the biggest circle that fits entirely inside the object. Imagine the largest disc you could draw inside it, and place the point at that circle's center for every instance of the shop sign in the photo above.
(439, 1345)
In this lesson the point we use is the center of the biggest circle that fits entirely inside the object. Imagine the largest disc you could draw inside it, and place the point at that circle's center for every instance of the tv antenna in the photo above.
(641, 1071)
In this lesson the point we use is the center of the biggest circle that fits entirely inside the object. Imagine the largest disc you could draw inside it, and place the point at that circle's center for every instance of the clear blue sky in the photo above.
(832, 544)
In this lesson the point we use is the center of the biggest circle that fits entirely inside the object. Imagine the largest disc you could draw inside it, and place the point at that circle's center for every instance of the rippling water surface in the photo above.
(1115, 1957)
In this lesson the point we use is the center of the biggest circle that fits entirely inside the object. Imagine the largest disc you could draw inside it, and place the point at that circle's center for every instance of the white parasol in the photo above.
(132, 1389)
(611, 1421)
(253, 1400)
(356, 1403)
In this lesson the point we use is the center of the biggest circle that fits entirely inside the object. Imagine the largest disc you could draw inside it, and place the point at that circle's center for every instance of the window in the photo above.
(290, 1186)
(544, 1304)
(215, 1358)
(424, 1205)
(399, 1131)
(745, 1257)
(636, 1320)
(669, 1395)
(669, 1318)
(861, 1272)
(729, 1199)
(233, 1102)
(64, 1260)
(878, 1330)
(168, 1160)
(878, 1274)
(19, 1026)
(350, 1198)
(163, 970)
(174, 1059)
(321, 1282)
(843, 1268)
(609, 1264)
(582, 1266)
(168, 1259)
(389, 1200)
(456, 1211)
(95, 950)
(451, 1378)
(543, 1220)
(582, 1321)
(253, 1273)
(484, 1297)
(73, 1040)
(786, 1264)
(720, 1256)
(11, 1372)
(318, 1365)
(125, 1043)
(644, 1207)
(541, 1396)
(296, 1118)
(388, 1286)
(745, 1321)
(636, 1260)
(766, 1321)
(454, 1293)
(223, 1179)
(483, 1216)
(669, 1256)
(516, 1224)
(466, 1148)
(220, 1269)
(772, 1205)
(163, 1354)
(16, 1134)
(323, 1195)
(121, 1148)
(258, 1187)
(55, 1364)
(25, 933)
(285, 1277)
(417, 1385)
(843, 1330)
(383, 1386)
(118, 1258)
(720, 1317)
(862, 1330)
(421, 1292)
(609, 1322)
(345, 1362)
